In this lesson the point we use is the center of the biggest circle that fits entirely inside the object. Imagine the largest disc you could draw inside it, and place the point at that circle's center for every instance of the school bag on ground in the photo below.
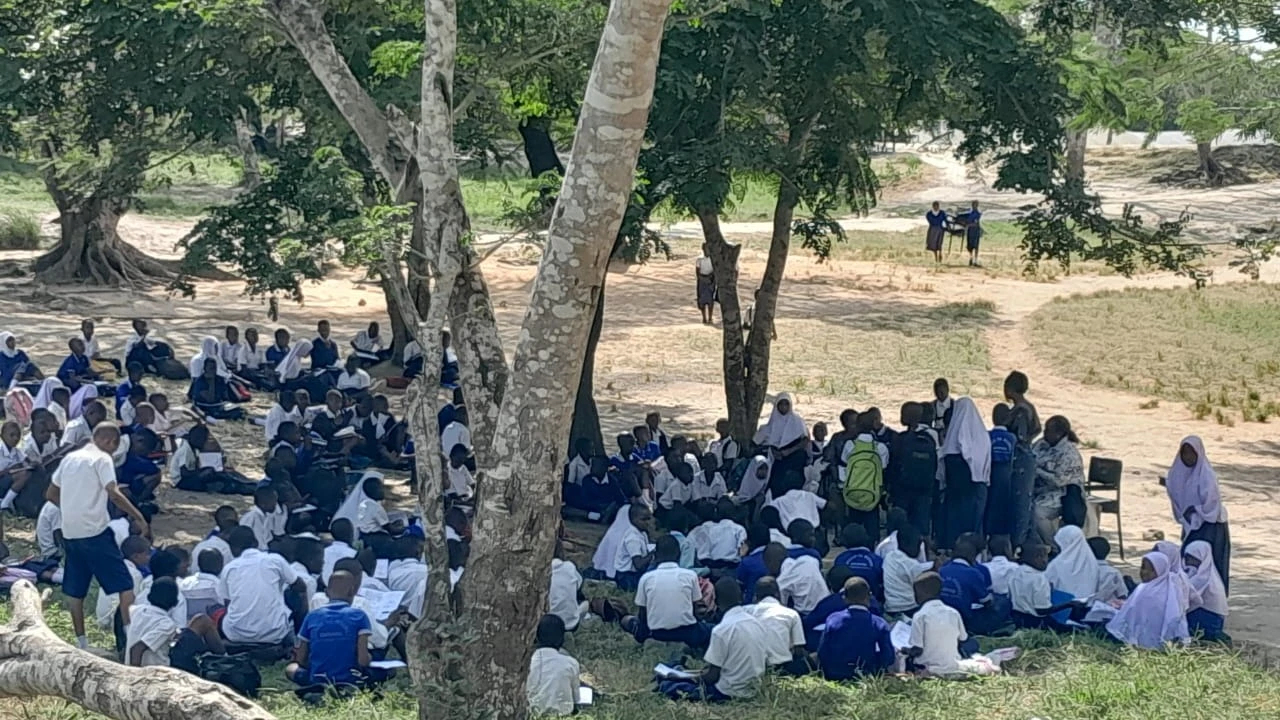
(171, 369)
(234, 671)
(865, 477)
(918, 469)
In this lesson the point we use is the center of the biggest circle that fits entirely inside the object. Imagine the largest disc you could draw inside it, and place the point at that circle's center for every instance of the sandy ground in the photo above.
(655, 354)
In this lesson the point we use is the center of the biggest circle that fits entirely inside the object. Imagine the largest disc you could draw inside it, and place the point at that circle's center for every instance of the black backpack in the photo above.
(917, 462)
(235, 671)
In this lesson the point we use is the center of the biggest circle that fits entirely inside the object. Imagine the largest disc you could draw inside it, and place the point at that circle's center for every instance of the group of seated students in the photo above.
(264, 577)
(752, 522)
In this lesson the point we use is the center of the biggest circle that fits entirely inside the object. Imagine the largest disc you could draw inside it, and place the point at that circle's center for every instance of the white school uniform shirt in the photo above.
(676, 492)
(91, 347)
(155, 629)
(1001, 569)
(1029, 590)
(250, 358)
(1110, 583)
(725, 450)
(460, 481)
(335, 551)
(59, 414)
(938, 630)
(34, 453)
(83, 477)
(254, 586)
(562, 602)
(785, 629)
(49, 521)
(802, 583)
(105, 608)
(575, 470)
(371, 516)
(305, 576)
(412, 350)
(215, 543)
(890, 543)
(799, 505)
(719, 540)
(454, 433)
(127, 413)
(10, 456)
(359, 380)
(230, 354)
(900, 573)
(634, 542)
(777, 536)
(76, 432)
(277, 415)
(667, 593)
(178, 612)
(265, 526)
(738, 648)
(409, 576)
(554, 679)
(202, 591)
(119, 530)
(713, 489)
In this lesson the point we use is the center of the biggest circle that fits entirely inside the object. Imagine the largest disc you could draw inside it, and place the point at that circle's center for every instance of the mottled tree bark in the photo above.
(34, 662)
(90, 249)
(724, 263)
(1077, 144)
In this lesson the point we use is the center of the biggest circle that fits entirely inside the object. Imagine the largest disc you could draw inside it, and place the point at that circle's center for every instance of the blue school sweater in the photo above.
(867, 565)
(1002, 444)
(275, 354)
(73, 367)
(856, 642)
(323, 354)
(9, 366)
(963, 586)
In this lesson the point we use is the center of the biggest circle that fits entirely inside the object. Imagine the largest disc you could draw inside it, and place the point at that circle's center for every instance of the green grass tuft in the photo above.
(19, 231)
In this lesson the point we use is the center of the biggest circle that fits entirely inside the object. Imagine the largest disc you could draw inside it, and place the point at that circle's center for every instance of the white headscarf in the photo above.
(1205, 579)
(1074, 570)
(603, 558)
(350, 508)
(81, 397)
(782, 430)
(4, 343)
(1173, 554)
(752, 486)
(1195, 487)
(44, 398)
(1155, 613)
(290, 366)
(967, 436)
(209, 350)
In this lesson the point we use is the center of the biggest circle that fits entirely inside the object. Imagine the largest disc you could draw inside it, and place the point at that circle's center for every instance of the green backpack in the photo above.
(865, 478)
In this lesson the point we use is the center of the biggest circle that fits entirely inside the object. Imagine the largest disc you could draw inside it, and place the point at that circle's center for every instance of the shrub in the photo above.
(19, 231)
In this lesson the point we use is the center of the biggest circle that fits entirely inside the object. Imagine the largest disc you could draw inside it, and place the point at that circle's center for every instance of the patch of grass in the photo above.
(19, 231)
(1214, 349)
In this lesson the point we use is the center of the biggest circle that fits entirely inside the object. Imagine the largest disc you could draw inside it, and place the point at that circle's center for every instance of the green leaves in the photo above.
(1203, 120)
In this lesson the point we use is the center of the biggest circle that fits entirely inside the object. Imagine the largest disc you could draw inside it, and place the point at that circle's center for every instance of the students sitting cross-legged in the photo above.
(785, 647)
(153, 637)
(736, 658)
(333, 644)
(632, 556)
(1030, 594)
(1208, 612)
(967, 589)
(554, 676)
(901, 571)
(799, 578)
(855, 642)
(255, 584)
(940, 646)
(1156, 611)
(667, 599)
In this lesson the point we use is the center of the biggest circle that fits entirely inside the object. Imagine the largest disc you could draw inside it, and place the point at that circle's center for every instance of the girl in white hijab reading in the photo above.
(1156, 611)
(785, 435)
(1197, 503)
(1074, 570)
(1208, 612)
(966, 457)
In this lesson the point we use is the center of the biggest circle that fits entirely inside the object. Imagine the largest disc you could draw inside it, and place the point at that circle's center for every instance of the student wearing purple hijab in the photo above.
(1197, 503)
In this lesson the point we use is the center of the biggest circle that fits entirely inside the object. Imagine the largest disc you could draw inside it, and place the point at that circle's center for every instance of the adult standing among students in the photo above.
(83, 484)
(1193, 491)
(937, 219)
(1024, 423)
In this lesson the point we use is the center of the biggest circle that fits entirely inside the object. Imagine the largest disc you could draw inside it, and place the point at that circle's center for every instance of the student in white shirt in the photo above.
(724, 447)
(254, 584)
(939, 643)
(458, 473)
(1111, 586)
(82, 486)
(164, 564)
(136, 550)
(12, 463)
(679, 491)
(666, 600)
(353, 380)
(455, 432)
(554, 676)
(79, 431)
(736, 657)
(153, 632)
(267, 517)
(579, 466)
(285, 409)
(408, 574)
(709, 484)
(901, 572)
(40, 446)
(632, 556)
(800, 578)
(785, 628)
(719, 541)
(343, 532)
(1030, 593)
(1001, 565)
(203, 590)
(49, 531)
(371, 516)
(565, 599)
(798, 504)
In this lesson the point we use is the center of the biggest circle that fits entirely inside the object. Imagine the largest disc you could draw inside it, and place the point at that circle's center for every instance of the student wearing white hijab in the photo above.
(1208, 612)
(349, 510)
(1173, 554)
(754, 480)
(602, 561)
(966, 457)
(1075, 569)
(785, 435)
(1197, 503)
(290, 368)
(208, 351)
(1156, 611)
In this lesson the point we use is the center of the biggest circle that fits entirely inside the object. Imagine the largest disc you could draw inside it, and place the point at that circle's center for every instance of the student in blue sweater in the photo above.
(1000, 493)
(861, 559)
(856, 642)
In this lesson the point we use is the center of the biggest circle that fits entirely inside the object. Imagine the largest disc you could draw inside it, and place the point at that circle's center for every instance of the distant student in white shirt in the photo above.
(254, 584)
(901, 572)
(1001, 565)
(799, 579)
(455, 432)
(940, 646)
(408, 574)
(460, 482)
(266, 518)
(736, 658)
(79, 432)
(724, 448)
(1111, 585)
(203, 590)
(154, 633)
(798, 504)
(49, 531)
(579, 466)
(709, 484)
(667, 600)
(719, 542)
(554, 676)
(136, 551)
(353, 380)
(1030, 593)
(565, 599)
(786, 646)
(225, 520)
(632, 556)
(371, 516)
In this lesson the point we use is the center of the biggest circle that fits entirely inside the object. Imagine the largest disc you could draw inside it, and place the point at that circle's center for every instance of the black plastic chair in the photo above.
(1105, 475)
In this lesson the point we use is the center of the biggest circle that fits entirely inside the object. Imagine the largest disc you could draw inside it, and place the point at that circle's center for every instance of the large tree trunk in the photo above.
(34, 662)
(1209, 167)
(483, 366)
(519, 504)
(586, 416)
(724, 263)
(91, 251)
(1077, 143)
